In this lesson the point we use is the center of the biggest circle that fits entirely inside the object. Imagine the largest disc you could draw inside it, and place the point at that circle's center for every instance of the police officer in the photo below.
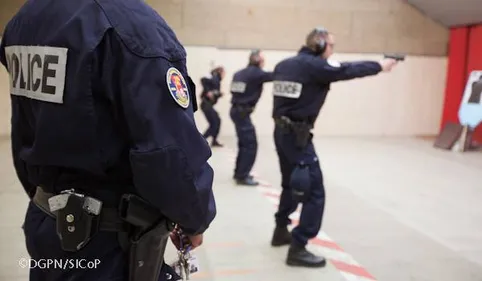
(300, 86)
(246, 89)
(209, 97)
(106, 148)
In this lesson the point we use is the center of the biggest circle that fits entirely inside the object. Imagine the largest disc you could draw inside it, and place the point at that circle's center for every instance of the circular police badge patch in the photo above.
(177, 87)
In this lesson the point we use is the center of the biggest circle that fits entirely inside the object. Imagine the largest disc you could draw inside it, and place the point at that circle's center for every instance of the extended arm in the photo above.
(328, 71)
(267, 76)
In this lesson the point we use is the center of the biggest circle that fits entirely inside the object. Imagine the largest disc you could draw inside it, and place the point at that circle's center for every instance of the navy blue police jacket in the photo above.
(247, 85)
(301, 83)
(101, 99)
(212, 85)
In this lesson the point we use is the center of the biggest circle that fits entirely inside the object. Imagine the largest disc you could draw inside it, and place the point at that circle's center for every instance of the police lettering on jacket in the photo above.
(247, 85)
(37, 72)
(301, 83)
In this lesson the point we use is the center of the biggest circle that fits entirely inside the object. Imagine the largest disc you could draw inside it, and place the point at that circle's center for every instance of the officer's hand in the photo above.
(209, 95)
(387, 64)
(196, 240)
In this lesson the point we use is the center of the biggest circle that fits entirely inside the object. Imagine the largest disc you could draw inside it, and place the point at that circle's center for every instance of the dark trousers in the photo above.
(247, 142)
(312, 211)
(213, 119)
(43, 243)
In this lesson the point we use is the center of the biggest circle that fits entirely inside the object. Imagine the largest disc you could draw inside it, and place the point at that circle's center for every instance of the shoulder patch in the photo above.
(177, 87)
(333, 63)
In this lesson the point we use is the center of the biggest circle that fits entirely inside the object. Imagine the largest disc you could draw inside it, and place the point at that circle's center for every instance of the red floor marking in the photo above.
(272, 195)
(341, 266)
(353, 269)
(265, 184)
(326, 244)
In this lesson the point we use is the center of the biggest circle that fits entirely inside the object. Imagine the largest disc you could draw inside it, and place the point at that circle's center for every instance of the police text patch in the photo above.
(286, 89)
(37, 72)
(238, 87)
(177, 87)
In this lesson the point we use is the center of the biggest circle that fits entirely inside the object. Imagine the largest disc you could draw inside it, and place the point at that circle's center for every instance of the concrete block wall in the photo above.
(7, 9)
(361, 26)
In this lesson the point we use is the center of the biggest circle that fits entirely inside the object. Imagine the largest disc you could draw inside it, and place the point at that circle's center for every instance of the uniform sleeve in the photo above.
(168, 155)
(327, 71)
(267, 76)
(18, 163)
(206, 84)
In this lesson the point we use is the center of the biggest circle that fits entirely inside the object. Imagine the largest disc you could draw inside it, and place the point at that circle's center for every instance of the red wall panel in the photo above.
(474, 61)
(456, 74)
(465, 55)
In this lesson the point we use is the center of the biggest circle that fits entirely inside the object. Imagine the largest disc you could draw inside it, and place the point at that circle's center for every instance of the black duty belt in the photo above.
(110, 219)
(243, 108)
(287, 123)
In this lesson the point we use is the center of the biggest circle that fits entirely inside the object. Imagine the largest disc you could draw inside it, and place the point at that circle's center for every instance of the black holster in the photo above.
(303, 135)
(244, 111)
(75, 226)
(148, 239)
(302, 130)
(78, 216)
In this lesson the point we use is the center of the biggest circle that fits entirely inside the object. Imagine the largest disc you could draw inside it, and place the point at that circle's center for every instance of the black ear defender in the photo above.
(316, 40)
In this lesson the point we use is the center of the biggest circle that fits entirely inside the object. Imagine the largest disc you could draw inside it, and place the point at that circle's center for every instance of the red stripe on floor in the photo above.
(327, 244)
(272, 195)
(353, 269)
(341, 266)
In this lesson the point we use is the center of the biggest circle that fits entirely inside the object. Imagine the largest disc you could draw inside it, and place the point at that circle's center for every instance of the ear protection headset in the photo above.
(317, 36)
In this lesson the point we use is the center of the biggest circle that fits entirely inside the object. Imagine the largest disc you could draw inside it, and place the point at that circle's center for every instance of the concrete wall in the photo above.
(4, 102)
(406, 102)
(361, 26)
(7, 9)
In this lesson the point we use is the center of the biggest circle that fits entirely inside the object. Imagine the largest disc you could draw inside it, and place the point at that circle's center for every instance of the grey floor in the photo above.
(399, 208)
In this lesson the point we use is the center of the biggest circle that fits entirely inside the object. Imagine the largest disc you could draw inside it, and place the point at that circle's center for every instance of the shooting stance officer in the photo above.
(105, 147)
(246, 89)
(209, 97)
(300, 86)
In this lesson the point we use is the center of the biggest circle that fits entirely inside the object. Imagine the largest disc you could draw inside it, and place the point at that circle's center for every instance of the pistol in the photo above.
(396, 57)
